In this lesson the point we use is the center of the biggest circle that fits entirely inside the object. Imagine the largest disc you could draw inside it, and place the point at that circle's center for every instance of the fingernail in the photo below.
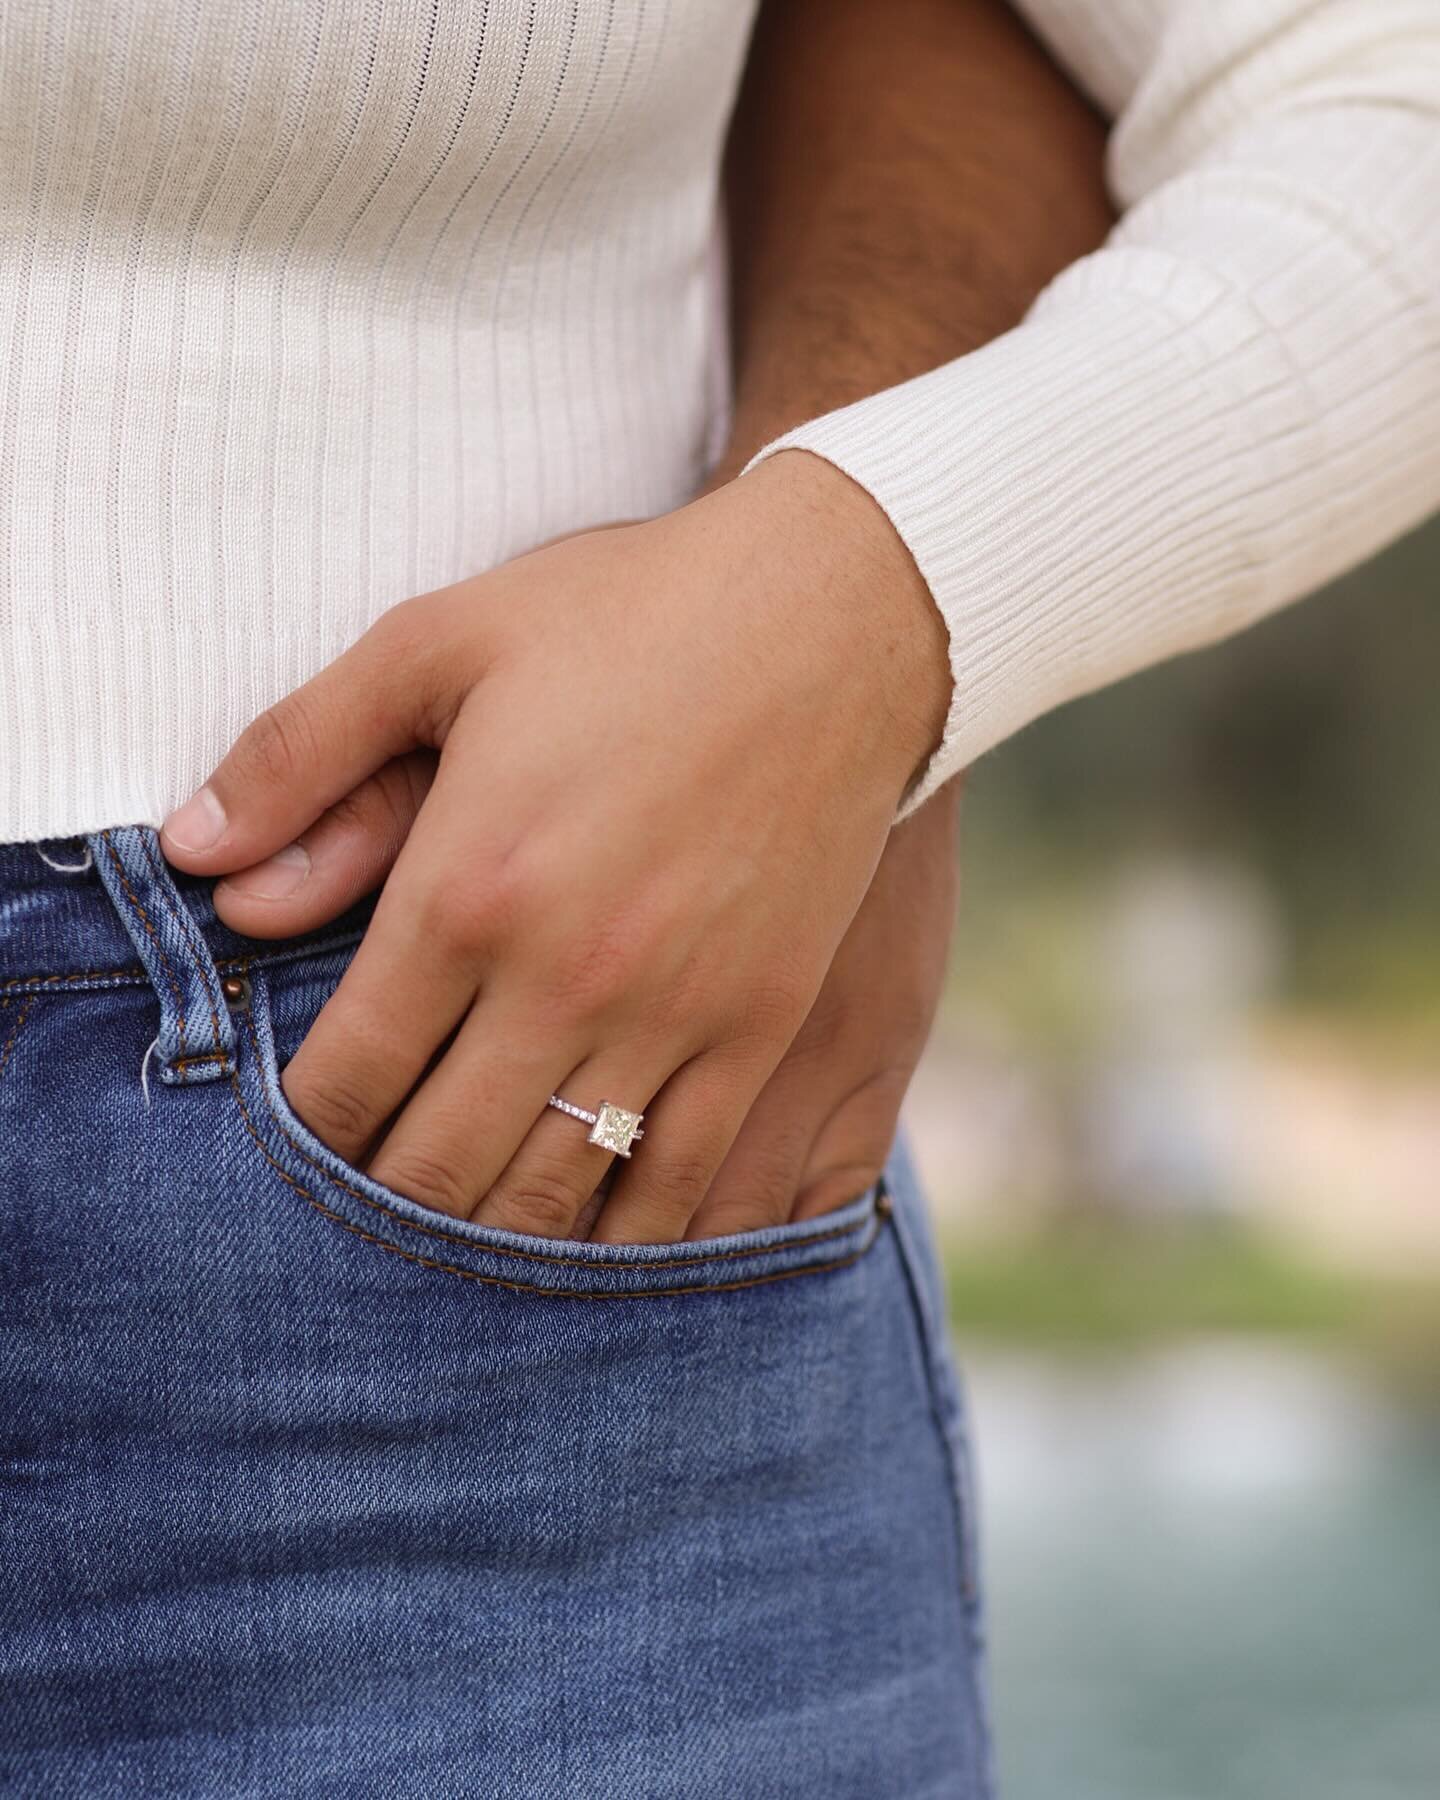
(198, 823)
(274, 879)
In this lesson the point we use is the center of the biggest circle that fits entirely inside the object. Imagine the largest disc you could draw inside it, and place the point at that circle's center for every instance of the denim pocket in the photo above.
(284, 997)
(15, 1010)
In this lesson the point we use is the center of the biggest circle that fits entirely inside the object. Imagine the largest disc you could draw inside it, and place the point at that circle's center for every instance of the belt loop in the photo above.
(197, 1035)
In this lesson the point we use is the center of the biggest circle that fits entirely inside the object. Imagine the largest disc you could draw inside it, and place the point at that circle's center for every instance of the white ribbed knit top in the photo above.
(310, 305)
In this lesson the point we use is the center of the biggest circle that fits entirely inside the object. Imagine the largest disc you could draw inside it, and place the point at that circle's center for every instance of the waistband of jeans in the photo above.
(61, 928)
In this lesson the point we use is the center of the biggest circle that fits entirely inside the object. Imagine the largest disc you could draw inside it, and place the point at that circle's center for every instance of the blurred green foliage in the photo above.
(1304, 753)
(1127, 1283)
(1306, 749)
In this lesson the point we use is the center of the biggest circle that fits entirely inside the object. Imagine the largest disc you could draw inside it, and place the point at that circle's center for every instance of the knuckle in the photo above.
(751, 1211)
(541, 1201)
(338, 1112)
(399, 638)
(678, 1183)
(857, 1027)
(841, 1184)
(422, 1175)
(282, 743)
(591, 986)
(595, 972)
(369, 822)
(883, 1091)
(817, 1045)
(772, 1174)
(414, 667)
(675, 1006)
(772, 1011)
(908, 1025)
(376, 818)
(470, 916)
(397, 628)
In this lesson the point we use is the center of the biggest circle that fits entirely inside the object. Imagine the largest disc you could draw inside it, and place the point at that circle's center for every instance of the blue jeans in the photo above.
(309, 1490)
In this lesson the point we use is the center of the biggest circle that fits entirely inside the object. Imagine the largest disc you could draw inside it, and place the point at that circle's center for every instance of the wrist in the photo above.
(886, 626)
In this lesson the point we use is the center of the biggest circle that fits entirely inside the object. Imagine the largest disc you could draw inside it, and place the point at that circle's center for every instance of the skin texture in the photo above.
(610, 890)
(763, 969)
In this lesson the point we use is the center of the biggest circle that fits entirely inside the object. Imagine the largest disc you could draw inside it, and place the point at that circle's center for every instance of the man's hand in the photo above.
(822, 1127)
(669, 755)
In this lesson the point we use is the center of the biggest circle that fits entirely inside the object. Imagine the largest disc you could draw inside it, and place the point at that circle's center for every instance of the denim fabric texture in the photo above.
(310, 1490)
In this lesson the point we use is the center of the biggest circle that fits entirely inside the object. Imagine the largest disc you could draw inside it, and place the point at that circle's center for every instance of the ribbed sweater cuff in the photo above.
(1074, 493)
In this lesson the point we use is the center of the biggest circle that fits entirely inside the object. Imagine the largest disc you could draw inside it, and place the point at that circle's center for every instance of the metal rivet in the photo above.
(236, 989)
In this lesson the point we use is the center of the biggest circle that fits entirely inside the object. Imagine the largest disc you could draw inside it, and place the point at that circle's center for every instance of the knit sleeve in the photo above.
(1234, 400)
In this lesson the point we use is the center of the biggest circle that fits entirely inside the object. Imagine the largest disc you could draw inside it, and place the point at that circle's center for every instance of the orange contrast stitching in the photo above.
(527, 1287)
(145, 921)
(20, 1019)
(186, 926)
(570, 1262)
(290, 951)
(30, 981)
(136, 971)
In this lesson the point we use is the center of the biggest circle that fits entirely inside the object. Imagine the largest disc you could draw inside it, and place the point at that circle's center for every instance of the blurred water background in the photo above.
(1180, 1121)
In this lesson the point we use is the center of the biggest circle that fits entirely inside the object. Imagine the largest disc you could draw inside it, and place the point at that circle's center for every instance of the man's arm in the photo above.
(902, 181)
(1230, 403)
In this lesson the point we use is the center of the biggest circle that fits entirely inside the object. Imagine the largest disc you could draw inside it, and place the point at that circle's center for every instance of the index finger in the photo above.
(376, 701)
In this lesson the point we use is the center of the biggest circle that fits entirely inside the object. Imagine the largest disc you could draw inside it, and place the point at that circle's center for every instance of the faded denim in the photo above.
(309, 1490)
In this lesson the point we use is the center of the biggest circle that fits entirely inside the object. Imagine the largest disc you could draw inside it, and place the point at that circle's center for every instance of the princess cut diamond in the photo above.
(615, 1129)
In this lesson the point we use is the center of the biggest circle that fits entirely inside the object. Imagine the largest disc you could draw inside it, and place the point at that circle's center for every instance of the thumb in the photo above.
(345, 855)
(309, 751)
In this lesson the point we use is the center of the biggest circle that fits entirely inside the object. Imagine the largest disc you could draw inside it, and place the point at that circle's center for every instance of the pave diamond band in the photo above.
(611, 1128)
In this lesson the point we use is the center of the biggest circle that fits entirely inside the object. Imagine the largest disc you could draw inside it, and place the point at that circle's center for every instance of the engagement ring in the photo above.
(612, 1128)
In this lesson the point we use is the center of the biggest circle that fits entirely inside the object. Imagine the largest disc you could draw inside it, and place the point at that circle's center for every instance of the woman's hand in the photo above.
(822, 1126)
(668, 757)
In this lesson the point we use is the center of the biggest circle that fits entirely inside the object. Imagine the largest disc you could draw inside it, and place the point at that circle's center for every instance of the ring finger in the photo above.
(461, 1126)
(555, 1171)
(696, 1119)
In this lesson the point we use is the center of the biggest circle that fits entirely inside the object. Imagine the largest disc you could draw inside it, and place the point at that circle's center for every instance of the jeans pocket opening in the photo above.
(573, 1269)
(15, 1011)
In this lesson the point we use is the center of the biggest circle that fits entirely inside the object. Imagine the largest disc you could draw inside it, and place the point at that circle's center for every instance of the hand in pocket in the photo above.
(665, 763)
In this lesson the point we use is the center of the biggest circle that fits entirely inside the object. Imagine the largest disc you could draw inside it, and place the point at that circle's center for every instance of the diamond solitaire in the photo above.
(615, 1129)
(612, 1128)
